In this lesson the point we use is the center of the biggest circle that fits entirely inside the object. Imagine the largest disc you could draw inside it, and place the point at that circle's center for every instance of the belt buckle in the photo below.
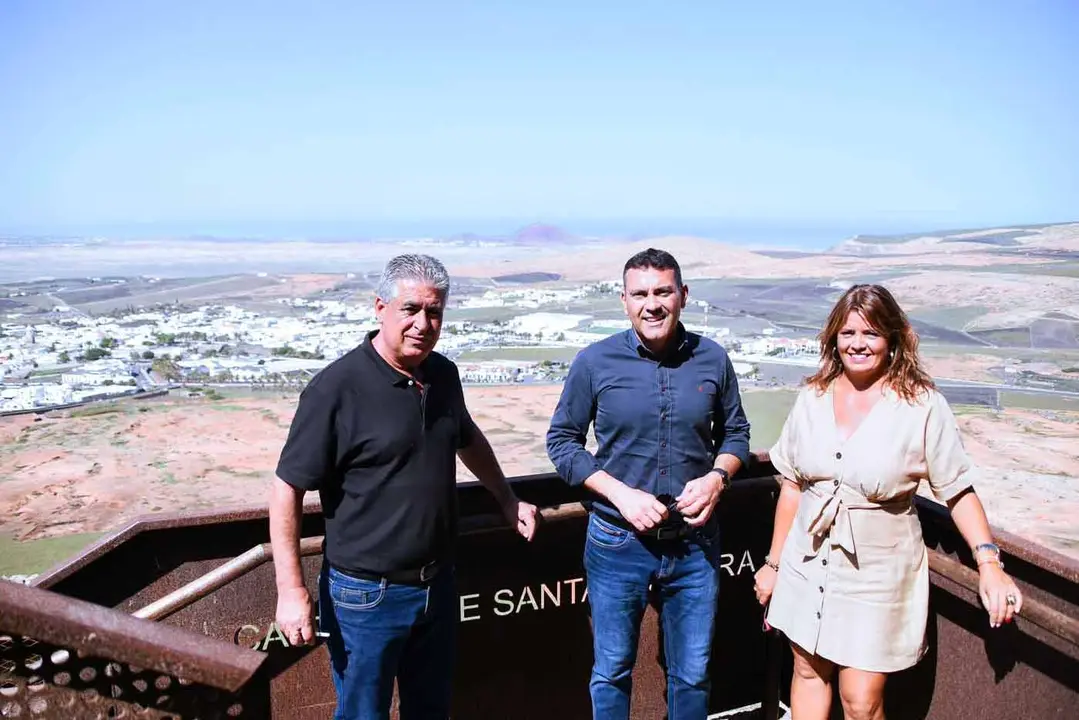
(432, 567)
(664, 533)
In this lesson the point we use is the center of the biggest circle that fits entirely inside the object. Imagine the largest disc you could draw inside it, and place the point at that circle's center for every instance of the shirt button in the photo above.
(818, 616)
(410, 383)
(839, 456)
(824, 561)
(662, 472)
(821, 588)
(836, 483)
(663, 444)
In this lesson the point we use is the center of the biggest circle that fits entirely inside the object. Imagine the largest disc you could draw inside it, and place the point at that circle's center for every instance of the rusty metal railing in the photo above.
(1034, 611)
(260, 554)
(66, 658)
(162, 565)
(90, 629)
(1050, 620)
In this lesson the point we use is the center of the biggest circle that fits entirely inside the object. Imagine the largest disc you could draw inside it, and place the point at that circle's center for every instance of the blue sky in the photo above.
(872, 115)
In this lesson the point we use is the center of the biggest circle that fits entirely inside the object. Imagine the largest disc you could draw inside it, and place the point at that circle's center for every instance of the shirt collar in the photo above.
(387, 371)
(635, 344)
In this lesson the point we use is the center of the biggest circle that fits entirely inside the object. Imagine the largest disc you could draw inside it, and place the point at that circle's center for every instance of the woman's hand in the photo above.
(1000, 596)
(763, 584)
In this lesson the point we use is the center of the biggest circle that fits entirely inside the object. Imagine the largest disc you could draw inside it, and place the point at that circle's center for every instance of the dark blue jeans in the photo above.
(378, 632)
(620, 567)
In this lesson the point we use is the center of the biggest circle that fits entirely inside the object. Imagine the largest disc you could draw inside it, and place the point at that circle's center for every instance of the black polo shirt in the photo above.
(381, 451)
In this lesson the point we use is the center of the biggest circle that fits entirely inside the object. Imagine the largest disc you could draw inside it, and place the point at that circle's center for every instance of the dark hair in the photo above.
(656, 259)
(904, 373)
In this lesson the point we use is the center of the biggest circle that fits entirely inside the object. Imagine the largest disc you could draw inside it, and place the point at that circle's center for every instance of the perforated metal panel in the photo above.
(40, 680)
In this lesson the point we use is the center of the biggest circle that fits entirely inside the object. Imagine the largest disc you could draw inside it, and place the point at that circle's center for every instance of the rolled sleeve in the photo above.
(568, 432)
(732, 436)
(950, 467)
(309, 454)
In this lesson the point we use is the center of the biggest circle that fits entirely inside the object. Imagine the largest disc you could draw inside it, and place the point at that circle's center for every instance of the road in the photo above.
(811, 362)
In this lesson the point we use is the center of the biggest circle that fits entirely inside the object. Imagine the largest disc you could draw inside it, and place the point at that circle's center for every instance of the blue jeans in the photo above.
(378, 632)
(620, 567)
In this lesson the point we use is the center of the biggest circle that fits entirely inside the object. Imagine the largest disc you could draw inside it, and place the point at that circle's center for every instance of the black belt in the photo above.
(417, 576)
(673, 531)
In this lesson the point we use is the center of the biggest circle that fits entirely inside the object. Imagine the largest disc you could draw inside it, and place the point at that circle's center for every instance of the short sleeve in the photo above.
(466, 426)
(466, 429)
(948, 464)
(310, 452)
(784, 452)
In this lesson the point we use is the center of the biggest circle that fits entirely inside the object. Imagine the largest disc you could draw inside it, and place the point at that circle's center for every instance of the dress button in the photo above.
(839, 456)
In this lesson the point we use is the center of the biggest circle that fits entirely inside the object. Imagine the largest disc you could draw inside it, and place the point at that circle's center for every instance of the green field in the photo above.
(525, 354)
(766, 410)
(953, 318)
(1005, 337)
(1038, 402)
(1057, 269)
(1060, 356)
(481, 314)
(33, 556)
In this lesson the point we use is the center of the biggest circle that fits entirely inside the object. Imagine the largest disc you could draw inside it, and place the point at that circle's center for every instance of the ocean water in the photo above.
(747, 233)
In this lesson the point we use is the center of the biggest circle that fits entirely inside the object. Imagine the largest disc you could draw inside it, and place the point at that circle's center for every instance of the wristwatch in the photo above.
(725, 477)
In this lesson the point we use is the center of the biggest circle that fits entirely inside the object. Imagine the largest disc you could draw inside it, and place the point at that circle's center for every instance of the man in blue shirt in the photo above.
(671, 432)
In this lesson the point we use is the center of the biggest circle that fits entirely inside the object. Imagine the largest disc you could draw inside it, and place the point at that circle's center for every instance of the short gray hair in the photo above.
(423, 268)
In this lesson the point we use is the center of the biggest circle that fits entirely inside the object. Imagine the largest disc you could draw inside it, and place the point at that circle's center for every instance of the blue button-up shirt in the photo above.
(659, 422)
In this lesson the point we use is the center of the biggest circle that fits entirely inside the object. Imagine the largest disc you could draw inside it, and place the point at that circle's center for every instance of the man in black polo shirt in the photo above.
(670, 431)
(377, 433)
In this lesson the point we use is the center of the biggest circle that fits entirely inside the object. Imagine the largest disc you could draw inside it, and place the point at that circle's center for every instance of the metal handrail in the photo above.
(1033, 611)
(219, 577)
(1050, 620)
(98, 631)
(242, 564)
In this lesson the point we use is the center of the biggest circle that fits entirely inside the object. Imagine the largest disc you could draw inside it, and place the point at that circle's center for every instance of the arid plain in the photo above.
(76, 472)
(1001, 301)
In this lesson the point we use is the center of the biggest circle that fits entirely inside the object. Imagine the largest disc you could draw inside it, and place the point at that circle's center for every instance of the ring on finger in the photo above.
(1011, 599)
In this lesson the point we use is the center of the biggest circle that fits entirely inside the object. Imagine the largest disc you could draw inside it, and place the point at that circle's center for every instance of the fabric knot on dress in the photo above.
(826, 520)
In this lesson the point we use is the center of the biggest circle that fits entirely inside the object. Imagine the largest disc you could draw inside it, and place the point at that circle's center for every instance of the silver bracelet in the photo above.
(988, 547)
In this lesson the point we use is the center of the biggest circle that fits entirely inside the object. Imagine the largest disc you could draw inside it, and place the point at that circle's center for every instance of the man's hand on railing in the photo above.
(521, 516)
(296, 616)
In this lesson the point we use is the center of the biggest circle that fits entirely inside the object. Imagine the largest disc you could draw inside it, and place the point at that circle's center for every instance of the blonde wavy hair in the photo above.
(904, 373)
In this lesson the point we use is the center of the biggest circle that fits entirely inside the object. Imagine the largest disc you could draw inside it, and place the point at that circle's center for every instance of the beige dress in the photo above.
(853, 583)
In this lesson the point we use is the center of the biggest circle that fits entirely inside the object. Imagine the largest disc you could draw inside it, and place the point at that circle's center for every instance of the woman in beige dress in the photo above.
(847, 579)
